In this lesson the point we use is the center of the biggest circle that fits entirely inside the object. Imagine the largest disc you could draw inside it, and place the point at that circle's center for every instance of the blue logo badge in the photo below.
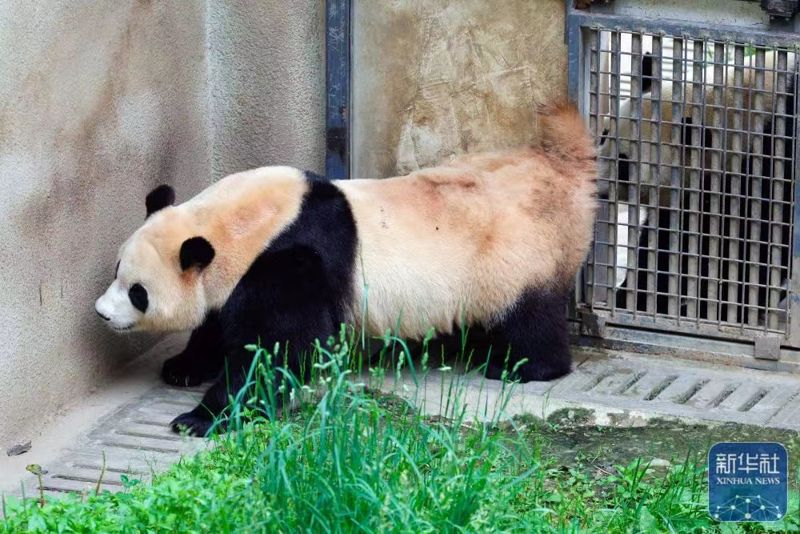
(748, 481)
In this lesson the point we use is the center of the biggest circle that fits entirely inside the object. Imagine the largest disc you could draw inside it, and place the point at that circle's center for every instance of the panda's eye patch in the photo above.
(138, 295)
(116, 270)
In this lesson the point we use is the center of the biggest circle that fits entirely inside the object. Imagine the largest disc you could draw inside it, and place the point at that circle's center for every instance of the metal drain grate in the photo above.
(135, 441)
(741, 396)
(631, 388)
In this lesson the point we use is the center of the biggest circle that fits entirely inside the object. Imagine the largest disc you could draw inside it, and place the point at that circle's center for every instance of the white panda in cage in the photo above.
(624, 160)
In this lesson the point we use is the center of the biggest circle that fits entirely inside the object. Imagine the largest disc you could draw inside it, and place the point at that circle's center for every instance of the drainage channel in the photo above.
(635, 386)
(135, 441)
(686, 389)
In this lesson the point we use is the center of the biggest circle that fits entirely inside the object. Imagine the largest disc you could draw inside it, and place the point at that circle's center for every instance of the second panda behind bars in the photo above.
(728, 158)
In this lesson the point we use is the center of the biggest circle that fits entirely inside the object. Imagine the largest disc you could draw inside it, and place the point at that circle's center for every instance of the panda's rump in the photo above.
(459, 244)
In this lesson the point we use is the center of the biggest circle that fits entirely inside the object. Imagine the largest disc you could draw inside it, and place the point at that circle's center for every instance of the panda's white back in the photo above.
(459, 244)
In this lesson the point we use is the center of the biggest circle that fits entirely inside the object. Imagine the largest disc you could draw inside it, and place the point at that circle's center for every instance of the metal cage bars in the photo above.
(703, 221)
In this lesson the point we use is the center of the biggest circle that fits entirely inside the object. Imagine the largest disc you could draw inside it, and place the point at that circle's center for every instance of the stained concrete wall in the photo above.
(99, 102)
(432, 78)
(267, 82)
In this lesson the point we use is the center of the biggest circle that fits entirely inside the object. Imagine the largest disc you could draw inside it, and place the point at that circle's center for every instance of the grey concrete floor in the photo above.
(120, 430)
(123, 429)
(626, 389)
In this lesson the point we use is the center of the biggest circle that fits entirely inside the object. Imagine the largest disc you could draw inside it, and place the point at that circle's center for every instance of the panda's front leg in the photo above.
(215, 401)
(294, 329)
(284, 298)
(201, 360)
(198, 421)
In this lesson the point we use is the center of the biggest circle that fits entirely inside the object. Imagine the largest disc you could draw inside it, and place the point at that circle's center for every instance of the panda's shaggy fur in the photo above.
(491, 240)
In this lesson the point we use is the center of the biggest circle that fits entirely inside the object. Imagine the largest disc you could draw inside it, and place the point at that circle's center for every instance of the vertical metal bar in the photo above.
(715, 172)
(578, 295)
(595, 122)
(793, 302)
(702, 289)
(695, 181)
(654, 182)
(676, 181)
(734, 199)
(754, 197)
(337, 79)
(725, 197)
(702, 190)
(613, 204)
(605, 88)
(574, 54)
(744, 203)
(594, 82)
(778, 177)
(635, 182)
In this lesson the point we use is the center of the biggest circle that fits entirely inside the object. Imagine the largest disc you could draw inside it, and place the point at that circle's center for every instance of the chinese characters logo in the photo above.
(747, 481)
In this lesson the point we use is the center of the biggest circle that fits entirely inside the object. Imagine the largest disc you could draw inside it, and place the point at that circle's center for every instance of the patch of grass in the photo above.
(350, 459)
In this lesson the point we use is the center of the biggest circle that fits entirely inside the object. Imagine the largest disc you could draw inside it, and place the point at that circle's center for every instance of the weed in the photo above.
(337, 455)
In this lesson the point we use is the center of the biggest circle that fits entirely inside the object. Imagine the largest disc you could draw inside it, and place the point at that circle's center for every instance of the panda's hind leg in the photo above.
(536, 330)
(201, 360)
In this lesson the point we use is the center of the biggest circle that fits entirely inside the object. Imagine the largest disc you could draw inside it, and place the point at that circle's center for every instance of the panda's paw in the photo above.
(182, 372)
(527, 373)
(493, 372)
(544, 374)
(194, 423)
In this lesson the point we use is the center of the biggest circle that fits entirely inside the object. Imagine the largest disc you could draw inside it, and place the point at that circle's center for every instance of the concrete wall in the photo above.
(433, 78)
(99, 102)
(267, 82)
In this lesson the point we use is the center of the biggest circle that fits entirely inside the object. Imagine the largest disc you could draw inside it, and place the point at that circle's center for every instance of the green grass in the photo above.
(351, 459)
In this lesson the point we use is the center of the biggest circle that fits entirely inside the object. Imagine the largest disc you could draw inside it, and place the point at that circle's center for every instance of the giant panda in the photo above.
(737, 166)
(271, 254)
(619, 142)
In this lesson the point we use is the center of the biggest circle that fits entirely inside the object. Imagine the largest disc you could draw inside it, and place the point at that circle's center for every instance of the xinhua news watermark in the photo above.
(748, 481)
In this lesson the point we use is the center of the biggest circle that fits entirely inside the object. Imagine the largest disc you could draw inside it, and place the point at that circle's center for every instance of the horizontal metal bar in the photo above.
(686, 347)
(689, 30)
(686, 325)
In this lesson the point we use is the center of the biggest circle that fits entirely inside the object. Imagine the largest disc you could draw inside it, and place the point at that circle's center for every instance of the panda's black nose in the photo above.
(103, 316)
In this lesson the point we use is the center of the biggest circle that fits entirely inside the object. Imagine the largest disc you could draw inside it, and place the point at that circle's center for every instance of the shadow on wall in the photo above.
(437, 78)
(97, 104)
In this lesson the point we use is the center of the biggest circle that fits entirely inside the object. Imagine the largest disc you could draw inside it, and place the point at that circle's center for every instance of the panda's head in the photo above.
(158, 275)
(615, 142)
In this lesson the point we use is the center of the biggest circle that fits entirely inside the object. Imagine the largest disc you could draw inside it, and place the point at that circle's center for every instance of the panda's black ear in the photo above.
(196, 252)
(159, 198)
